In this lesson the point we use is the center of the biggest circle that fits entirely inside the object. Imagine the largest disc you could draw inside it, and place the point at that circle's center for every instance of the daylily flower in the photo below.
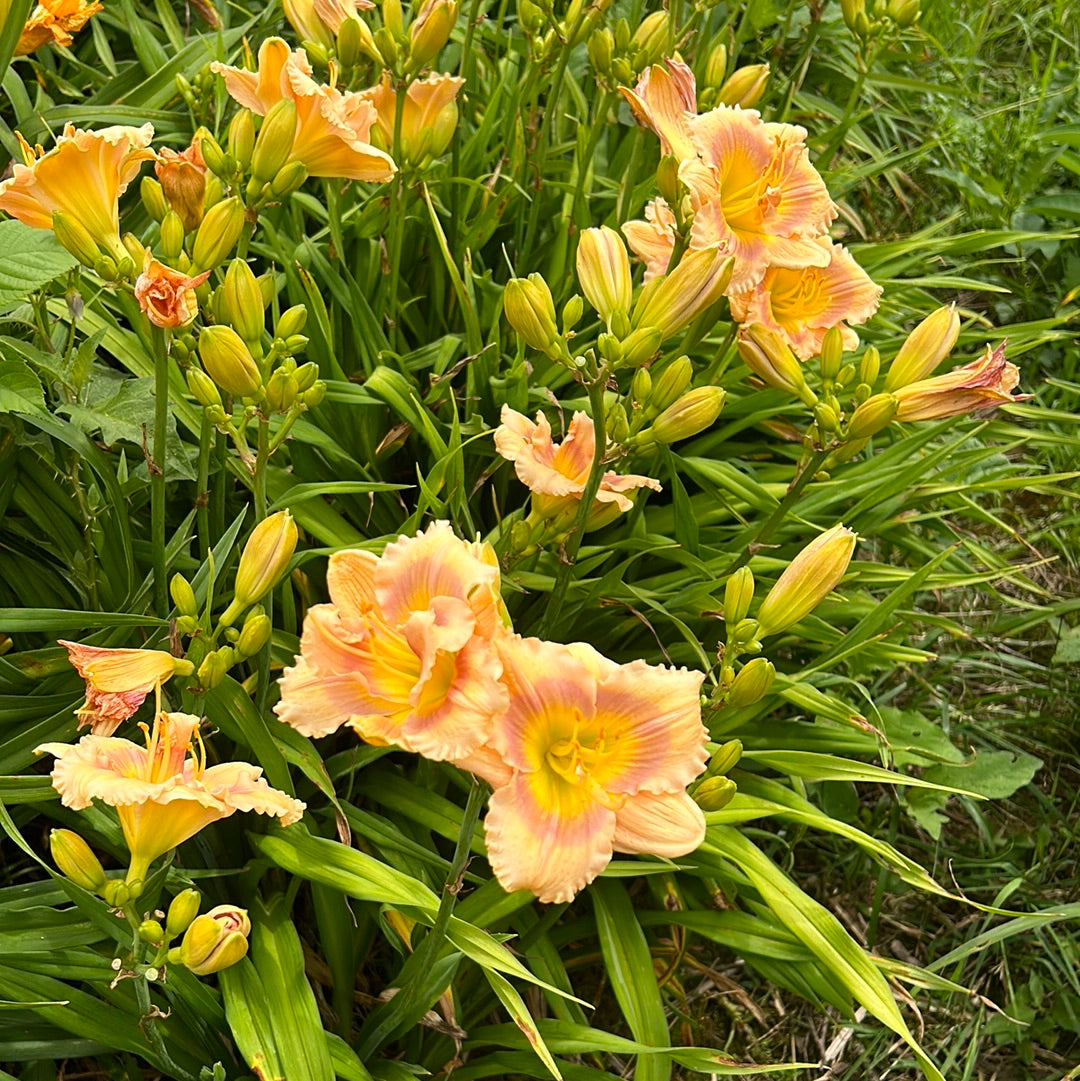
(590, 757)
(83, 176)
(54, 21)
(665, 100)
(556, 473)
(428, 117)
(182, 175)
(982, 384)
(118, 680)
(167, 296)
(802, 305)
(652, 240)
(332, 127)
(403, 653)
(164, 792)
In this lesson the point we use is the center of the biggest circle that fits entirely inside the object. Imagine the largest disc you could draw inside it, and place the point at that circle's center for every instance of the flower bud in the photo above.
(925, 348)
(255, 635)
(75, 238)
(281, 391)
(726, 758)
(218, 233)
(668, 183)
(265, 558)
(869, 366)
(770, 358)
(530, 311)
(738, 593)
(314, 394)
(215, 667)
(153, 198)
(386, 45)
(291, 322)
(430, 31)
(671, 384)
(692, 413)
(696, 283)
(752, 683)
(214, 157)
(601, 48)
(745, 86)
(851, 10)
(618, 427)
(172, 236)
(641, 346)
(215, 940)
(184, 908)
(808, 580)
(306, 375)
(241, 301)
(183, 596)
(275, 141)
(832, 353)
(393, 19)
(242, 138)
(308, 26)
(151, 932)
(572, 312)
(229, 362)
(872, 416)
(650, 39)
(289, 178)
(716, 67)
(714, 793)
(76, 861)
(610, 348)
(603, 269)
(903, 12)
(826, 417)
(203, 388)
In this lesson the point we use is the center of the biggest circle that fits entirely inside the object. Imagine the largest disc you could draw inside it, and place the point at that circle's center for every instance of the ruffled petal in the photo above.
(670, 825)
(316, 704)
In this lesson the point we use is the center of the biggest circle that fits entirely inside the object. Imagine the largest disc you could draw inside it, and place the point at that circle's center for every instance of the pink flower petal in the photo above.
(670, 825)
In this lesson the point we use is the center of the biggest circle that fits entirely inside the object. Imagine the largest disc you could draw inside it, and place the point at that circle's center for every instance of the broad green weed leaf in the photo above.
(29, 259)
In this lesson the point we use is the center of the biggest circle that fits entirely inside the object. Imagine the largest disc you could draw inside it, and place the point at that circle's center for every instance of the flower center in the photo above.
(576, 758)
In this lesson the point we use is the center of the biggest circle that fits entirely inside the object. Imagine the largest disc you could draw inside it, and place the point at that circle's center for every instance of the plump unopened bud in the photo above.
(265, 558)
(650, 38)
(668, 183)
(715, 793)
(313, 395)
(716, 67)
(808, 580)
(572, 312)
(826, 417)
(184, 908)
(671, 384)
(430, 31)
(903, 12)
(255, 635)
(215, 158)
(242, 138)
(752, 683)
(75, 238)
(738, 593)
(151, 932)
(725, 759)
(530, 311)
(387, 46)
(872, 416)
(308, 25)
(601, 49)
(229, 361)
(641, 346)
(851, 10)
(869, 366)
(183, 596)
(696, 283)
(172, 236)
(306, 375)
(832, 353)
(275, 141)
(641, 387)
(289, 178)
(924, 349)
(281, 390)
(218, 233)
(745, 86)
(203, 389)
(215, 666)
(153, 198)
(215, 940)
(241, 301)
(76, 861)
(772, 361)
(692, 413)
(603, 269)
(292, 321)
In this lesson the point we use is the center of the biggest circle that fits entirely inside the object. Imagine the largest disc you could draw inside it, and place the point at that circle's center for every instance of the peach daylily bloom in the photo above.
(334, 12)
(652, 240)
(590, 757)
(164, 792)
(403, 652)
(556, 473)
(54, 22)
(167, 296)
(83, 176)
(118, 681)
(801, 305)
(758, 197)
(982, 384)
(428, 117)
(665, 101)
(332, 127)
(182, 175)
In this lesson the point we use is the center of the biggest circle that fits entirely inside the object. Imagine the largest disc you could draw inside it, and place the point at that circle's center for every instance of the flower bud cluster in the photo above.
(619, 54)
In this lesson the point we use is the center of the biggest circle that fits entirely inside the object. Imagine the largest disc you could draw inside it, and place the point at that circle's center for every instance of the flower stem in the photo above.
(157, 470)
(262, 458)
(202, 491)
(572, 544)
(397, 217)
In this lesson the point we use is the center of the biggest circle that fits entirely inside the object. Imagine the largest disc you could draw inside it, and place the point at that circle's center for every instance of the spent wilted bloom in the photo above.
(802, 305)
(590, 757)
(53, 22)
(182, 175)
(557, 473)
(807, 580)
(164, 792)
(665, 100)
(403, 652)
(331, 137)
(83, 177)
(429, 115)
(166, 295)
(982, 384)
(118, 681)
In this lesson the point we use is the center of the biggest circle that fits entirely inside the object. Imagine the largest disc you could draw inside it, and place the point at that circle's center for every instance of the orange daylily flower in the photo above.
(590, 757)
(83, 176)
(167, 296)
(428, 117)
(164, 792)
(118, 680)
(665, 100)
(332, 126)
(801, 305)
(982, 384)
(556, 473)
(182, 175)
(403, 653)
(54, 22)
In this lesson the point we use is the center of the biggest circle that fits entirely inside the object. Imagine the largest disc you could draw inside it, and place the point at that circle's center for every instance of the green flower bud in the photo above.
(752, 683)
(242, 138)
(202, 388)
(291, 322)
(255, 635)
(641, 387)
(151, 932)
(387, 46)
(153, 198)
(289, 179)
(214, 157)
(770, 358)
(430, 31)
(217, 234)
(924, 349)
(650, 38)
(215, 667)
(216, 940)
(715, 793)
(716, 67)
(76, 239)
(184, 908)
(275, 141)
(306, 375)
(676, 300)
(726, 758)
(281, 391)
(692, 413)
(265, 559)
(76, 861)
(745, 86)
(832, 353)
(229, 362)
(872, 416)
(572, 312)
(314, 395)
(640, 346)
(241, 301)
(530, 310)
(183, 596)
(601, 48)
(603, 269)
(670, 385)
(738, 593)
(869, 366)
(172, 236)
